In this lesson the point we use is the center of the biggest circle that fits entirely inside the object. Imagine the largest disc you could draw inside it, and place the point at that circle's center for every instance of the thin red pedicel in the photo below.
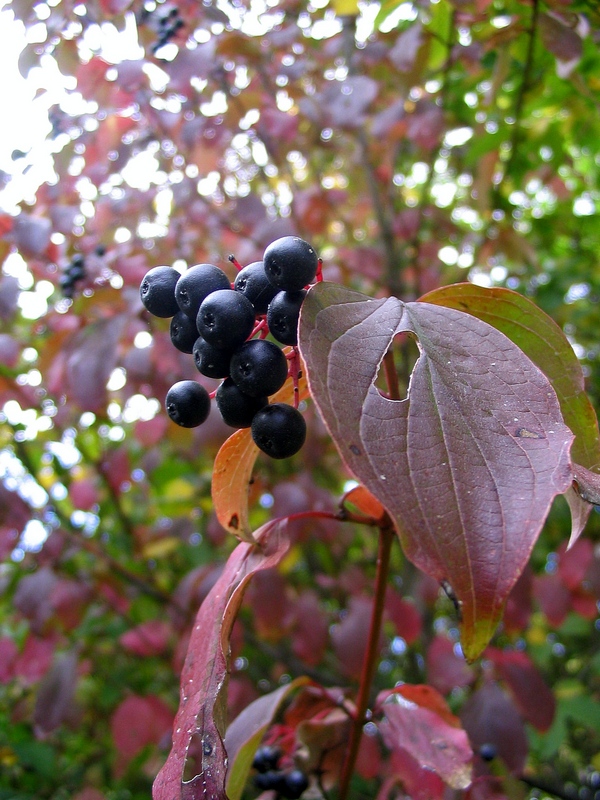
(235, 262)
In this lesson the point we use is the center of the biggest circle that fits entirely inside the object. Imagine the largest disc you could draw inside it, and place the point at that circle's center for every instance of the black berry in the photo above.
(209, 360)
(290, 263)
(283, 314)
(488, 751)
(236, 408)
(188, 404)
(183, 332)
(266, 758)
(157, 291)
(294, 784)
(259, 367)
(225, 319)
(279, 430)
(252, 282)
(273, 779)
(196, 284)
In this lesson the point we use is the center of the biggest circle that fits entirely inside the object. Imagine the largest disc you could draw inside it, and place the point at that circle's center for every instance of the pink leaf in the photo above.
(148, 639)
(468, 465)
(433, 742)
(445, 669)
(196, 766)
(136, 723)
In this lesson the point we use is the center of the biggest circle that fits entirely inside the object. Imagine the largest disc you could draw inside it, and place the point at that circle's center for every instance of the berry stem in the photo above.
(235, 262)
(294, 372)
(260, 327)
(386, 537)
(391, 376)
(319, 275)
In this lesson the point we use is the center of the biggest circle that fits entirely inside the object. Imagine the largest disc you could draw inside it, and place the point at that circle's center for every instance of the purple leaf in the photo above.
(54, 699)
(468, 464)
(91, 359)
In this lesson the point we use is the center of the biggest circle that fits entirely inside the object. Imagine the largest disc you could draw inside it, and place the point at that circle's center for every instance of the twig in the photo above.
(386, 537)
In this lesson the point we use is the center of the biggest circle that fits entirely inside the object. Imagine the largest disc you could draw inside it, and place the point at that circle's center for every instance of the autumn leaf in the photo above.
(197, 764)
(467, 465)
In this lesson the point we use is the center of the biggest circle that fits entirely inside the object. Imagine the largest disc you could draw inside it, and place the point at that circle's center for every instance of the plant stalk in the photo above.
(386, 537)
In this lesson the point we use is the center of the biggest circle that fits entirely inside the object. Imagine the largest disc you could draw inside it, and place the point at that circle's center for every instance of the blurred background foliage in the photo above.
(415, 144)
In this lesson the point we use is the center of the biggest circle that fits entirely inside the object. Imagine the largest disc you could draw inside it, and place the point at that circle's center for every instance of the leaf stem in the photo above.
(386, 537)
(391, 376)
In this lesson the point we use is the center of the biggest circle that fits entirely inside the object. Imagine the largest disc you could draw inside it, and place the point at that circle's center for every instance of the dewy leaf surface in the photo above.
(196, 766)
(468, 464)
(544, 342)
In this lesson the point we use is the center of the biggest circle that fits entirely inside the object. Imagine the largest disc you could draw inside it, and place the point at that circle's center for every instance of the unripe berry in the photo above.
(188, 404)
(290, 263)
(279, 430)
(157, 291)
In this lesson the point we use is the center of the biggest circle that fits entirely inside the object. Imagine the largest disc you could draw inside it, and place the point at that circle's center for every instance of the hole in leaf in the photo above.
(393, 377)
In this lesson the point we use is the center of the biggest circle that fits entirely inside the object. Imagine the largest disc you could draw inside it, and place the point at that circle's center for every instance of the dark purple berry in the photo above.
(294, 784)
(157, 291)
(290, 263)
(196, 284)
(252, 282)
(279, 430)
(225, 319)
(283, 315)
(266, 758)
(273, 779)
(210, 360)
(488, 751)
(236, 408)
(259, 367)
(188, 404)
(183, 332)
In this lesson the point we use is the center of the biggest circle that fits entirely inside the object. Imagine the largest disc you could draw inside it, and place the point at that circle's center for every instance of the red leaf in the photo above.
(553, 597)
(34, 660)
(534, 699)
(445, 669)
(349, 637)
(404, 615)
(429, 739)
(518, 606)
(8, 655)
(136, 723)
(574, 563)
(148, 639)
(468, 465)
(196, 766)
(310, 635)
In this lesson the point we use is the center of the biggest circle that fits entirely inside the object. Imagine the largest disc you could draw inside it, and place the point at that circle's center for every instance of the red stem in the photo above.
(386, 537)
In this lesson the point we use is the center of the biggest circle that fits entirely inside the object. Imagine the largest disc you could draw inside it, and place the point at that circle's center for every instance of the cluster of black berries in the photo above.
(226, 326)
(289, 784)
(73, 273)
(166, 21)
